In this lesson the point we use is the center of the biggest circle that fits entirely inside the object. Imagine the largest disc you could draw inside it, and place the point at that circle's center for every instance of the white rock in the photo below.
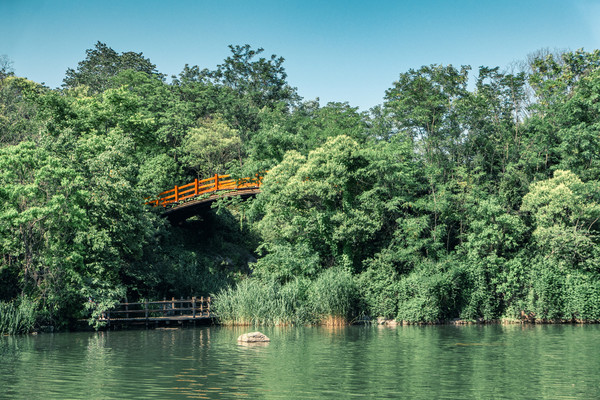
(253, 337)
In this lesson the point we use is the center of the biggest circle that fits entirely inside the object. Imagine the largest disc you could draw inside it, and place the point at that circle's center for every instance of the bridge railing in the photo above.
(193, 308)
(203, 186)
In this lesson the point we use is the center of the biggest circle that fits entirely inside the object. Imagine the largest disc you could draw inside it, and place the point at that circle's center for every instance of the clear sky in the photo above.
(335, 50)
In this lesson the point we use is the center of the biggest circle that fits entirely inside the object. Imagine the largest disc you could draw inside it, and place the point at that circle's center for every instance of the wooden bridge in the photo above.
(160, 312)
(181, 202)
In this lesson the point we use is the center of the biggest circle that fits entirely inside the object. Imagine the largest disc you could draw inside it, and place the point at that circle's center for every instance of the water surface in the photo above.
(429, 362)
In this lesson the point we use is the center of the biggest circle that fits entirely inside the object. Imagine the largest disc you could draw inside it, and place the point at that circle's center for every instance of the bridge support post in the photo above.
(216, 182)
(146, 312)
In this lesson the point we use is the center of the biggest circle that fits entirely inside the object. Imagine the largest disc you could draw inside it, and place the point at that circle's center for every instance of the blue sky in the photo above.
(335, 50)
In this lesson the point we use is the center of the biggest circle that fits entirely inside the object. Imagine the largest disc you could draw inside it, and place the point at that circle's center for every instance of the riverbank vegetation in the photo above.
(466, 194)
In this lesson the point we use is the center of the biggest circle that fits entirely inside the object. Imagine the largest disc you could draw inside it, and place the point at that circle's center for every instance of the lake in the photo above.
(414, 362)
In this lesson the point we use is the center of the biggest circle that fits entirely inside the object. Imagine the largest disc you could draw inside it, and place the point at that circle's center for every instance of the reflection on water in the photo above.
(496, 361)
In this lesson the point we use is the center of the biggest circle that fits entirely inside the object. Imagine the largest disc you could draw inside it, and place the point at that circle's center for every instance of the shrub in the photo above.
(431, 293)
(582, 297)
(378, 288)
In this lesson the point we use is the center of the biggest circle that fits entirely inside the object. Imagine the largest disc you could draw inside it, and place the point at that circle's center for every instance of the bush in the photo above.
(482, 287)
(431, 293)
(582, 297)
(546, 297)
(378, 288)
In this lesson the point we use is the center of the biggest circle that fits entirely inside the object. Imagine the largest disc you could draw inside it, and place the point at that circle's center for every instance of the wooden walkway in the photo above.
(166, 311)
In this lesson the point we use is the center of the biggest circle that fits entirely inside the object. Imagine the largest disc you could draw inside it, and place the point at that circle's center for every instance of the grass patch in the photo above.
(17, 316)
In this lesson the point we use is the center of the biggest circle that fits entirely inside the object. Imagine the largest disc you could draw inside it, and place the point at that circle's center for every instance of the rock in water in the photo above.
(253, 337)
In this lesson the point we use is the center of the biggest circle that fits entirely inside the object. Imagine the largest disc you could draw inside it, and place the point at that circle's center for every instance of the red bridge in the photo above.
(186, 200)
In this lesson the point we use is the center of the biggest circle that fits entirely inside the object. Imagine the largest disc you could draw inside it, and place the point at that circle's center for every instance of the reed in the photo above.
(254, 302)
(328, 300)
(332, 297)
(17, 316)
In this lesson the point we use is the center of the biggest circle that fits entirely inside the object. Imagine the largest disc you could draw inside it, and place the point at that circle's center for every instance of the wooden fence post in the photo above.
(208, 305)
(194, 307)
(216, 182)
(196, 187)
(176, 193)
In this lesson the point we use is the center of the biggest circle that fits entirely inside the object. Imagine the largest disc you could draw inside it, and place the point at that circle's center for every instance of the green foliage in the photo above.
(210, 147)
(102, 63)
(333, 294)
(19, 115)
(254, 302)
(284, 261)
(488, 248)
(331, 203)
(430, 294)
(582, 292)
(443, 202)
(426, 104)
(564, 270)
(377, 286)
(17, 316)
(262, 81)
(566, 215)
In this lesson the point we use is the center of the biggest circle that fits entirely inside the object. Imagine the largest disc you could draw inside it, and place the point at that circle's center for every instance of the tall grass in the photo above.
(254, 302)
(332, 297)
(17, 316)
(329, 300)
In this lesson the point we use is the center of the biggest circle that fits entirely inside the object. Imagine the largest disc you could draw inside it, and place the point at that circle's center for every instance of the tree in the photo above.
(19, 110)
(210, 147)
(6, 67)
(564, 273)
(424, 103)
(102, 63)
(262, 81)
(555, 76)
(334, 207)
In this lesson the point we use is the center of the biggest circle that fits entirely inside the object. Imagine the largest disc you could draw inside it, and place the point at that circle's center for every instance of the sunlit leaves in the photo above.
(209, 147)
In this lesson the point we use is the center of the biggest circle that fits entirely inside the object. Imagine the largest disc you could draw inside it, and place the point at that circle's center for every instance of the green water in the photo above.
(432, 362)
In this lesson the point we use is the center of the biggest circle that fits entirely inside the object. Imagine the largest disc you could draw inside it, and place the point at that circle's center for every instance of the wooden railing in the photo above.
(165, 310)
(204, 186)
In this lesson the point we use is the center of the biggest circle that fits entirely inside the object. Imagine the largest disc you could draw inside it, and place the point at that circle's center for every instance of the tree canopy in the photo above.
(448, 200)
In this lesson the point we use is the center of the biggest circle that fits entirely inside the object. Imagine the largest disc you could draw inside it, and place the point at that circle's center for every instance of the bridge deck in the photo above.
(182, 202)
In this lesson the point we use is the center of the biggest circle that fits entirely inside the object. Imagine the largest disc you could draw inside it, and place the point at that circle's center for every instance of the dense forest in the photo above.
(466, 194)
